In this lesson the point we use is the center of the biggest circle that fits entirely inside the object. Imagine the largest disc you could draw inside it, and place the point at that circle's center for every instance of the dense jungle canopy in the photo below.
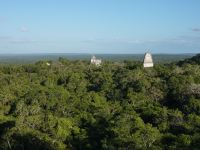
(77, 106)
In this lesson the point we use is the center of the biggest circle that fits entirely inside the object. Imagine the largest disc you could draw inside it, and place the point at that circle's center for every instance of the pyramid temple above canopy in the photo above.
(148, 60)
(95, 61)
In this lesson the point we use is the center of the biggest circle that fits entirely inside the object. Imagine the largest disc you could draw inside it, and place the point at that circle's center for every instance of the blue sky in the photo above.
(99, 26)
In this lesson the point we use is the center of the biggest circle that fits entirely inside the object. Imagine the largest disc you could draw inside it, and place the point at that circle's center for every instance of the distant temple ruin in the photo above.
(95, 61)
(148, 60)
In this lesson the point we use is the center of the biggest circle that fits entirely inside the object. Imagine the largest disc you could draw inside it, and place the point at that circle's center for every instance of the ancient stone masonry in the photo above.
(95, 61)
(148, 60)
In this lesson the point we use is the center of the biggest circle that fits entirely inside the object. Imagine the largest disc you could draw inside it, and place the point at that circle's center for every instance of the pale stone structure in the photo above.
(95, 61)
(148, 60)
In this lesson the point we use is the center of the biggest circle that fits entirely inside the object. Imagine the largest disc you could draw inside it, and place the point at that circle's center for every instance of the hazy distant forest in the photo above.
(77, 106)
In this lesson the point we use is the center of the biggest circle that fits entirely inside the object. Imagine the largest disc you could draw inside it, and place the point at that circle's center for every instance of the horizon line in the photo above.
(75, 53)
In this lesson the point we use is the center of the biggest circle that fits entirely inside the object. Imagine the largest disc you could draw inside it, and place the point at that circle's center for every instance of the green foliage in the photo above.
(73, 105)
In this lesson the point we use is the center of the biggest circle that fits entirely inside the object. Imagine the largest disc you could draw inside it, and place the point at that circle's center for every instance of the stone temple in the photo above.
(95, 61)
(148, 60)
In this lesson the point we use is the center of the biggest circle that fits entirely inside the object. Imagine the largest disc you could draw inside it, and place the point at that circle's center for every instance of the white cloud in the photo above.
(16, 40)
(112, 40)
(24, 29)
(22, 41)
